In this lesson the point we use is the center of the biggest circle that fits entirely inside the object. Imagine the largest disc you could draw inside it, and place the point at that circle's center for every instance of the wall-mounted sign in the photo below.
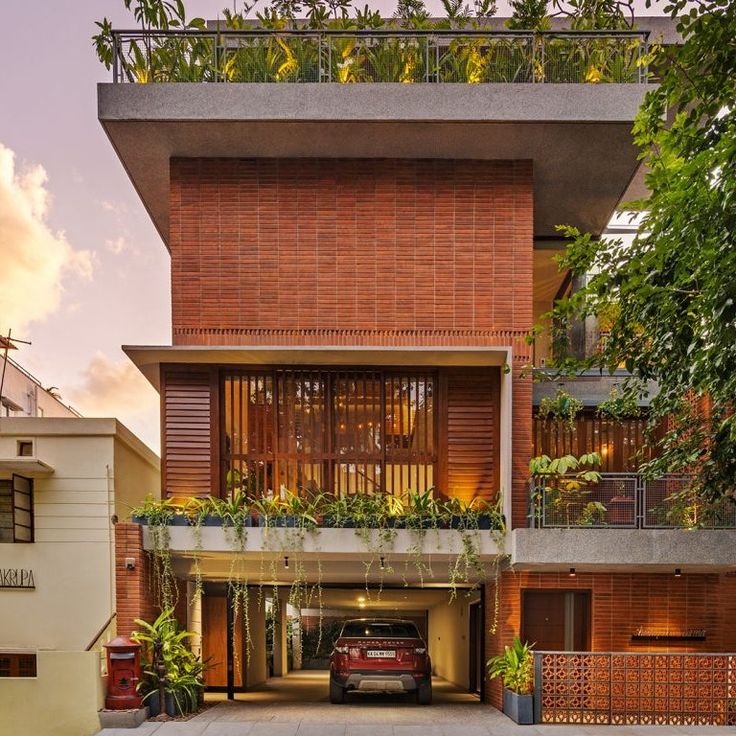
(646, 634)
(16, 577)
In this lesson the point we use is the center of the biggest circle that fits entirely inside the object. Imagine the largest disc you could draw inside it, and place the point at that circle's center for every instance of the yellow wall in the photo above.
(62, 700)
(449, 634)
(72, 560)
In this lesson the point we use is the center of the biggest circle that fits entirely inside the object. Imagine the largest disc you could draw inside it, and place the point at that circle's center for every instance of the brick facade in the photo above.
(357, 252)
(620, 604)
(133, 590)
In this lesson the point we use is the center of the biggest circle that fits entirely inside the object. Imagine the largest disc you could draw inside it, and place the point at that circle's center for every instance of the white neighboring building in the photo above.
(24, 396)
(62, 483)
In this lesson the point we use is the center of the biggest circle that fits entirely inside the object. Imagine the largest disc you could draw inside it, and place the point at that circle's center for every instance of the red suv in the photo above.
(380, 655)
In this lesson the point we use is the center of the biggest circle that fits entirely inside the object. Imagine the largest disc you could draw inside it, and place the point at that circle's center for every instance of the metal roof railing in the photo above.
(472, 56)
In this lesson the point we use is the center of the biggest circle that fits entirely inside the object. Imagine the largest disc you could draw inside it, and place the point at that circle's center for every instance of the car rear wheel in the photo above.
(424, 693)
(337, 693)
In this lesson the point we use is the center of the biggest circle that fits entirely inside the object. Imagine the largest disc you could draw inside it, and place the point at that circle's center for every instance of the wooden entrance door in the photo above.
(556, 620)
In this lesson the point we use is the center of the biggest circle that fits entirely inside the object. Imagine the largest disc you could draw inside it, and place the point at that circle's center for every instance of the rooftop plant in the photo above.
(349, 58)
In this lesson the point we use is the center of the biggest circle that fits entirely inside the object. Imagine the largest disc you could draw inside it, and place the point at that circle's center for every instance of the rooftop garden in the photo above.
(332, 41)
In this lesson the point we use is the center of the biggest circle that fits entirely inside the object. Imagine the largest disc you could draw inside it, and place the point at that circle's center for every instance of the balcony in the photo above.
(380, 56)
(625, 501)
(484, 95)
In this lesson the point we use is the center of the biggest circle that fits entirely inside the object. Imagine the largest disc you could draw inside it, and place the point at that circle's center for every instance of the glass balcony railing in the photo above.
(332, 56)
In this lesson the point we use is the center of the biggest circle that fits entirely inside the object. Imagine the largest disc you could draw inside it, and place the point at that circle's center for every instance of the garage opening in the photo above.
(281, 654)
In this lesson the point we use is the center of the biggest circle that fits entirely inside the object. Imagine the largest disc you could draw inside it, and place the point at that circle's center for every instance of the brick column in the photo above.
(133, 594)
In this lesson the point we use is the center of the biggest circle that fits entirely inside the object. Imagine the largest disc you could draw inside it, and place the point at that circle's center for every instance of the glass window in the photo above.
(344, 431)
(16, 510)
(13, 664)
(387, 629)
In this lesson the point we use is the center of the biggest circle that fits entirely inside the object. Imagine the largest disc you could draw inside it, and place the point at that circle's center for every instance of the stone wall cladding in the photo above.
(370, 252)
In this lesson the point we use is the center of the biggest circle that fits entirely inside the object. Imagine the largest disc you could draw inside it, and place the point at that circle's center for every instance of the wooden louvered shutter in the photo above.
(472, 401)
(187, 433)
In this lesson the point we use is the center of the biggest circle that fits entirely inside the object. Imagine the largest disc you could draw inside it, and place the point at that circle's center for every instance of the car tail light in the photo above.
(342, 650)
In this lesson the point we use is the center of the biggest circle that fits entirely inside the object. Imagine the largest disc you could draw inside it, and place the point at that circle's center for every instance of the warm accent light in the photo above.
(572, 572)
(361, 599)
(383, 563)
(286, 562)
(678, 572)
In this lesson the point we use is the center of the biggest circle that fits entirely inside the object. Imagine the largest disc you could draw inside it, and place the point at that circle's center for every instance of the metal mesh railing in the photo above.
(625, 500)
(624, 688)
(432, 56)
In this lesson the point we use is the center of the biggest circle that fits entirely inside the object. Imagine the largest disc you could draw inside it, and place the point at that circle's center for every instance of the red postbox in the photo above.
(123, 674)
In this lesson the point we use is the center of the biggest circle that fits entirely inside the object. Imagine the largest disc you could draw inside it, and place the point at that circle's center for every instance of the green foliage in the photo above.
(529, 15)
(561, 487)
(562, 407)
(671, 291)
(169, 661)
(618, 406)
(290, 57)
(515, 667)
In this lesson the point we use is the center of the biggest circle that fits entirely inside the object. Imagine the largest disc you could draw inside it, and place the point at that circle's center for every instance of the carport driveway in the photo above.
(297, 705)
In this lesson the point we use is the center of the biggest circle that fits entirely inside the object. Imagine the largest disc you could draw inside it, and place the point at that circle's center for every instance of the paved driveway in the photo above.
(297, 705)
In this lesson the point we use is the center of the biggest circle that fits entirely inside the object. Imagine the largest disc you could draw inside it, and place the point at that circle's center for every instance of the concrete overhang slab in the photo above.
(577, 135)
(30, 467)
(630, 550)
(149, 359)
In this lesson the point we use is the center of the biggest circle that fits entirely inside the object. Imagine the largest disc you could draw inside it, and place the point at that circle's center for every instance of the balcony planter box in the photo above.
(331, 522)
(179, 520)
(143, 520)
(519, 708)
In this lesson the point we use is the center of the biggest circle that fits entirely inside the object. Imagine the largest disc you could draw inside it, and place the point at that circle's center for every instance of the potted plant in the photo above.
(515, 667)
(172, 672)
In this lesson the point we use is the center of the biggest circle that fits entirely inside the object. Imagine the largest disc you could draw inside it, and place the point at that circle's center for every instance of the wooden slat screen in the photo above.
(341, 430)
(472, 429)
(187, 433)
(618, 442)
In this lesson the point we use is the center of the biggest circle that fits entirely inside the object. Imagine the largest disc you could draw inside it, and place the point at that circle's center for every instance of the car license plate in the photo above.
(381, 654)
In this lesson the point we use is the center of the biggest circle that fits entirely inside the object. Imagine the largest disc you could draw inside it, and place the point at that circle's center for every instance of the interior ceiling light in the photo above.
(678, 572)
(572, 572)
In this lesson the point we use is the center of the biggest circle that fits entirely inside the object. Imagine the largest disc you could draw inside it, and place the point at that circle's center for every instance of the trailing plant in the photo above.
(515, 667)
(562, 407)
(619, 405)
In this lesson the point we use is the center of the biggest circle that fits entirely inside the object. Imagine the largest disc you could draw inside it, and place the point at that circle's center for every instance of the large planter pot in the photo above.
(519, 708)
(153, 704)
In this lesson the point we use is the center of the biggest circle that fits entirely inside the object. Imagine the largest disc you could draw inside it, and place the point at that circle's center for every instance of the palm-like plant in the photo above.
(168, 663)
(515, 667)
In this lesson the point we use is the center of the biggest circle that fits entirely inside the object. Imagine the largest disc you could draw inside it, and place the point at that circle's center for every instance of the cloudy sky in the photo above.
(83, 270)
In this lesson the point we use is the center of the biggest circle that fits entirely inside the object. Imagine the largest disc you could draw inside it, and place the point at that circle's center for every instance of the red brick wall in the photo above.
(357, 252)
(134, 598)
(623, 602)
(349, 244)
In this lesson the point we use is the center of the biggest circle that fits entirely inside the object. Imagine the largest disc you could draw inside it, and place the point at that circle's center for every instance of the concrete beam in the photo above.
(577, 135)
(630, 550)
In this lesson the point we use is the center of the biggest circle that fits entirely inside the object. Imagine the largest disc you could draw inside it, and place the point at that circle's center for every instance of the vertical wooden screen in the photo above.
(187, 433)
(347, 431)
(473, 399)
(617, 441)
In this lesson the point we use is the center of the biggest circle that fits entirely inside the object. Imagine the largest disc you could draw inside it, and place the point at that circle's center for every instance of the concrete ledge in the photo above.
(577, 135)
(632, 550)
(328, 543)
(123, 718)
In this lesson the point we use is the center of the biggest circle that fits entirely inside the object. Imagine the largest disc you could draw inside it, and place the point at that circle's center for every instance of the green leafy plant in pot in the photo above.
(515, 667)
(172, 672)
